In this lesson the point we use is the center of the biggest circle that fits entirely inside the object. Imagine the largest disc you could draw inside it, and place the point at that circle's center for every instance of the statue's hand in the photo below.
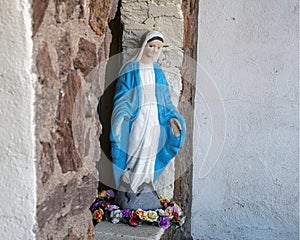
(175, 126)
(118, 130)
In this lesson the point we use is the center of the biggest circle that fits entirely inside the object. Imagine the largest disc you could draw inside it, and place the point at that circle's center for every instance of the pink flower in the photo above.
(111, 207)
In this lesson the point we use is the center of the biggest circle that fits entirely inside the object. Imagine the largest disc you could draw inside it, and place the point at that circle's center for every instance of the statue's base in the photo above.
(146, 199)
(120, 231)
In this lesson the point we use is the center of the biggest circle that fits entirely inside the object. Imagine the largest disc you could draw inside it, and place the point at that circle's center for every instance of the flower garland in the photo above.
(103, 209)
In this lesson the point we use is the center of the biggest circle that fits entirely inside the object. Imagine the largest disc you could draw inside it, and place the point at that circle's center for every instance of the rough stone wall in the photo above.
(183, 163)
(164, 16)
(71, 41)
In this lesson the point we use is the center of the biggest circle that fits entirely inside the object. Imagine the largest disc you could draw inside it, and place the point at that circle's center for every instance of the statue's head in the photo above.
(150, 46)
(152, 49)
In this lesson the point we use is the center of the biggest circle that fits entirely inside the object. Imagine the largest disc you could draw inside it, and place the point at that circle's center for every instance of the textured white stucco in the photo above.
(249, 49)
(17, 172)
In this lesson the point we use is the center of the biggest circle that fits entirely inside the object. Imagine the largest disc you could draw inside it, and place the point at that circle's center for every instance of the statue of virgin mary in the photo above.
(147, 130)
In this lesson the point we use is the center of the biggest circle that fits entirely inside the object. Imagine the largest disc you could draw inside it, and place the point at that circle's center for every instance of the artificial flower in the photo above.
(169, 212)
(110, 193)
(176, 216)
(182, 221)
(105, 204)
(102, 194)
(116, 215)
(134, 219)
(161, 212)
(104, 209)
(126, 213)
(152, 216)
(98, 214)
(142, 214)
(164, 222)
(112, 207)
(95, 206)
(176, 211)
(163, 199)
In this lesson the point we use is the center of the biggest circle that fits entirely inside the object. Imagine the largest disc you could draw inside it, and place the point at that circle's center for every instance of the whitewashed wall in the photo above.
(17, 171)
(250, 50)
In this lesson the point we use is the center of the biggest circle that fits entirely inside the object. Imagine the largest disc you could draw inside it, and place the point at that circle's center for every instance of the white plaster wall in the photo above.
(250, 50)
(17, 172)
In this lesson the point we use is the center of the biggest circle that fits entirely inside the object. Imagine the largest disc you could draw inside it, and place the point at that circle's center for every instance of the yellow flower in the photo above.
(142, 214)
(164, 199)
(152, 216)
(102, 194)
(98, 214)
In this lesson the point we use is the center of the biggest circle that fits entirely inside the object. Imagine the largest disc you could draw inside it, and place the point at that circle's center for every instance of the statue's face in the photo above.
(152, 48)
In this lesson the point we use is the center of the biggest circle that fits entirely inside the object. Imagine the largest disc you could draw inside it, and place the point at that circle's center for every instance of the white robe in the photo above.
(144, 134)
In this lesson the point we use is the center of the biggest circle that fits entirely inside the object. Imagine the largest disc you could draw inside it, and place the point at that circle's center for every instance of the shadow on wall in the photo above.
(105, 107)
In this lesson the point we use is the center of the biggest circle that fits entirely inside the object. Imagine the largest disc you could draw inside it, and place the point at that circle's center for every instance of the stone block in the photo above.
(165, 183)
(64, 53)
(120, 231)
(173, 28)
(51, 206)
(172, 56)
(65, 10)
(38, 13)
(169, 10)
(86, 57)
(47, 160)
(99, 14)
(166, 2)
(66, 151)
(46, 74)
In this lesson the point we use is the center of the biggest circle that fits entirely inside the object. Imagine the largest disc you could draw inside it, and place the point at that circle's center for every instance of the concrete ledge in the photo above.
(121, 231)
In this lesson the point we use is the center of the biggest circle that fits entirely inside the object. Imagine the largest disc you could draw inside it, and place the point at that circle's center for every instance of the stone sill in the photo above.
(120, 231)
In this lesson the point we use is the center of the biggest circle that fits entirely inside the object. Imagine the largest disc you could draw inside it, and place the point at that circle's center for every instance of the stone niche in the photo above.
(71, 46)
(164, 16)
(71, 41)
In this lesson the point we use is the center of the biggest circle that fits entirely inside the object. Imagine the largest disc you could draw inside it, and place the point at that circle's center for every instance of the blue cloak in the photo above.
(127, 102)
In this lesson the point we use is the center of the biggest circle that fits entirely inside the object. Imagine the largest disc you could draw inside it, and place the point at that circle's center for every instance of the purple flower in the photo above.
(126, 213)
(95, 206)
(110, 193)
(164, 222)
(112, 207)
